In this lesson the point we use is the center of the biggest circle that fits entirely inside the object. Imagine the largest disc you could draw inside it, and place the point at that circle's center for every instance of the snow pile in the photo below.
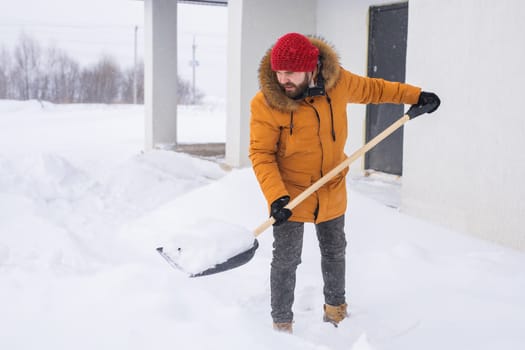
(82, 211)
(362, 343)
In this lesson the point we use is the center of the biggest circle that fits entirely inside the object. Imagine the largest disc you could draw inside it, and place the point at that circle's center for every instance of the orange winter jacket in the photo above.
(293, 143)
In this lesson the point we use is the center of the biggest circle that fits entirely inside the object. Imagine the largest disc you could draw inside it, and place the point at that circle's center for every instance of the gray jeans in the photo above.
(287, 248)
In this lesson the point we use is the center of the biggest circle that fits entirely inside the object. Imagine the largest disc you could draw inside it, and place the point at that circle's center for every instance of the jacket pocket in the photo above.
(338, 179)
(296, 179)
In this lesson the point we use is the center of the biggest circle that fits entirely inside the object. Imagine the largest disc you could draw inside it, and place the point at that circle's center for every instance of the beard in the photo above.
(294, 91)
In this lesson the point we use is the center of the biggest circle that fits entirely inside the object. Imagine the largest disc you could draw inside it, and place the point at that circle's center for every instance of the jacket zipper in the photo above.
(318, 133)
(316, 212)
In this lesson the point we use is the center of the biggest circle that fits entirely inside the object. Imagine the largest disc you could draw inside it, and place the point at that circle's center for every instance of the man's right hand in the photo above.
(278, 210)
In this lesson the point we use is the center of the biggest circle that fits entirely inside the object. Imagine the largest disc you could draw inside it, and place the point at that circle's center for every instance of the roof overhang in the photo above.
(204, 2)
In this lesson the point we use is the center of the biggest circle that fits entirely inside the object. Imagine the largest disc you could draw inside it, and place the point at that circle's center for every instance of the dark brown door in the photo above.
(386, 59)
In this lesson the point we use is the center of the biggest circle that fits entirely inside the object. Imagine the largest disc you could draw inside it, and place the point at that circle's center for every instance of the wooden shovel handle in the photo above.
(332, 173)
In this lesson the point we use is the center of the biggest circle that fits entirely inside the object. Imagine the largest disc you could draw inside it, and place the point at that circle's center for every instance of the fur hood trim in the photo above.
(270, 86)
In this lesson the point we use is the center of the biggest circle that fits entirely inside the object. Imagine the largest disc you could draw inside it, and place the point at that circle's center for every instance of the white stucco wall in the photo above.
(257, 25)
(464, 166)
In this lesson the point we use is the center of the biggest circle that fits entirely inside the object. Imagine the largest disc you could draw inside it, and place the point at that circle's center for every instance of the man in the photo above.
(298, 130)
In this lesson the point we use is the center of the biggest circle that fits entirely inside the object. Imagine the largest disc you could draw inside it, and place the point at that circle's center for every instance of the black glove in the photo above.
(278, 210)
(428, 102)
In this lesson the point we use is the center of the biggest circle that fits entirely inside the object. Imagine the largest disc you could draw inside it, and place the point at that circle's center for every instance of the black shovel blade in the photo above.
(233, 262)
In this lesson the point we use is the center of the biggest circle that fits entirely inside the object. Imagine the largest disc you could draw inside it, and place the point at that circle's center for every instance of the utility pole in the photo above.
(135, 68)
(193, 63)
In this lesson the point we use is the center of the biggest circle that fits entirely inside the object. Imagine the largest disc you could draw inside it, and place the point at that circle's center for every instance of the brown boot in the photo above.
(285, 327)
(335, 314)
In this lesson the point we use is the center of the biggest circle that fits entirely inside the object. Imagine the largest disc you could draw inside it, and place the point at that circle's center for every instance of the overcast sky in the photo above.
(87, 29)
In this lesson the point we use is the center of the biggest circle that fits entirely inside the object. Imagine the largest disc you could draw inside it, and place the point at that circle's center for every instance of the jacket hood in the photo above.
(271, 89)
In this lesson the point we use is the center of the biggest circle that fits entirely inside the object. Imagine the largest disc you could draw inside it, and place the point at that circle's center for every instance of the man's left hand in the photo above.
(428, 102)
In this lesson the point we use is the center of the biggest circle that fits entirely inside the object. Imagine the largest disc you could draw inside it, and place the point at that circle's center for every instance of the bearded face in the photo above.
(293, 84)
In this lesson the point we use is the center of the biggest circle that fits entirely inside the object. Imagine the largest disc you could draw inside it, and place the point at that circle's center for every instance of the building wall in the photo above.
(464, 165)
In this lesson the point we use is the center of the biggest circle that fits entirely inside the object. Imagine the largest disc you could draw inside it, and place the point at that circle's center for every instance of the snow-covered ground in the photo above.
(82, 210)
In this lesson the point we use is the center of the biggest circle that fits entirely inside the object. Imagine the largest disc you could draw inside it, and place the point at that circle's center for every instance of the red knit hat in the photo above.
(295, 53)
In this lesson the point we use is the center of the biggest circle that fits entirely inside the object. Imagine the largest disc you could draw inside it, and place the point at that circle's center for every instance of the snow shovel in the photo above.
(245, 256)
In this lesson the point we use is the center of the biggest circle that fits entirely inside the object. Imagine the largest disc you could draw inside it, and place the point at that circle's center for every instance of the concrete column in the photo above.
(160, 73)
(253, 27)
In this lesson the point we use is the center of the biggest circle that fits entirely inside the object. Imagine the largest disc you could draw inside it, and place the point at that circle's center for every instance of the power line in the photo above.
(71, 26)
(105, 26)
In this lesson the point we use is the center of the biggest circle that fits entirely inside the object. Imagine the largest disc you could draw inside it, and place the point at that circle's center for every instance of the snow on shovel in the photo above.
(210, 247)
(196, 260)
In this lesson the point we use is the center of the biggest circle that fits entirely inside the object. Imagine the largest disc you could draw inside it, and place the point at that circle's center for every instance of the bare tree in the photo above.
(62, 77)
(100, 83)
(128, 76)
(47, 65)
(5, 67)
(67, 80)
(185, 93)
(27, 60)
(184, 88)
